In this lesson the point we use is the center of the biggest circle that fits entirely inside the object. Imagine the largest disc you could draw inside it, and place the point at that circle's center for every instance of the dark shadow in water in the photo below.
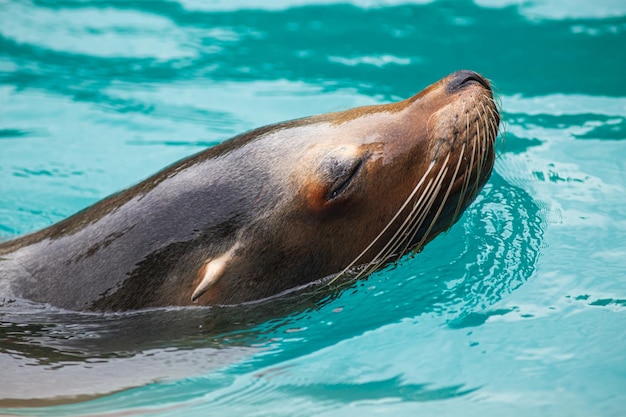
(605, 128)
(592, 126)
(18, 133)
(386, 389)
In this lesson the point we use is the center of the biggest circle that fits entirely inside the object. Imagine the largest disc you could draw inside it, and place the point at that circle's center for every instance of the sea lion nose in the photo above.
(463, 78)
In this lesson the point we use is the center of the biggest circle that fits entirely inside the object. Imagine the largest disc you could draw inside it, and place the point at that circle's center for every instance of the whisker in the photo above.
(445, 198)
(485, 143)
(396, 242)
(468, 169)
(419, 210)
(423, 207)
(390, 249)
(382, 232)
(424, 212)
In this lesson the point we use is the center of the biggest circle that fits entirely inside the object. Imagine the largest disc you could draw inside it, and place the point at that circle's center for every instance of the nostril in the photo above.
(463, 78)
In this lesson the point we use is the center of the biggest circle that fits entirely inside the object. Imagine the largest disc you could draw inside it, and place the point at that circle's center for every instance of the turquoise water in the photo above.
(520, 309)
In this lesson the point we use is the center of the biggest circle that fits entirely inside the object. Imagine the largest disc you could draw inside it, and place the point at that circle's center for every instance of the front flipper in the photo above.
(211, 271)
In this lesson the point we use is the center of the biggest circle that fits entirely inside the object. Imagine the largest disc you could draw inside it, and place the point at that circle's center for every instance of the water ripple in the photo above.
(101, 32)
(508, 312)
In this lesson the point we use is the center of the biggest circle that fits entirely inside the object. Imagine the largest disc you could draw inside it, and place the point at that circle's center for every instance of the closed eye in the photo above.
(343, 174)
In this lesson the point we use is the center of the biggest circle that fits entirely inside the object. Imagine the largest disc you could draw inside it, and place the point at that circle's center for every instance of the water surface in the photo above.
(519, 309)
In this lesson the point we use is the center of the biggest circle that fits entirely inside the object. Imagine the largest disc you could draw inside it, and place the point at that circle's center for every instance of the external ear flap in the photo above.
(211, 271)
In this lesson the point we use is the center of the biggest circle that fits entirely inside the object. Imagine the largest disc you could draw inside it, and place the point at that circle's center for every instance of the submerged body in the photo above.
(270, 210)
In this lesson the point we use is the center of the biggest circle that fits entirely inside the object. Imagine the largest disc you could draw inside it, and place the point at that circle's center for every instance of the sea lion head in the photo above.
(351, 191)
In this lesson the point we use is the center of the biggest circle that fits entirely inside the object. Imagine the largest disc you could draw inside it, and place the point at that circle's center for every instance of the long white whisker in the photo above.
(418, 212)
(468, 170)
(401, 235)
(476, 156)
(394, 242)
(382, 232)
(445, 198)
(424, 212)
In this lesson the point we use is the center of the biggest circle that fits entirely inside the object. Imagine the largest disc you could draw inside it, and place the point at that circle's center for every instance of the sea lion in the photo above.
(270, 210)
